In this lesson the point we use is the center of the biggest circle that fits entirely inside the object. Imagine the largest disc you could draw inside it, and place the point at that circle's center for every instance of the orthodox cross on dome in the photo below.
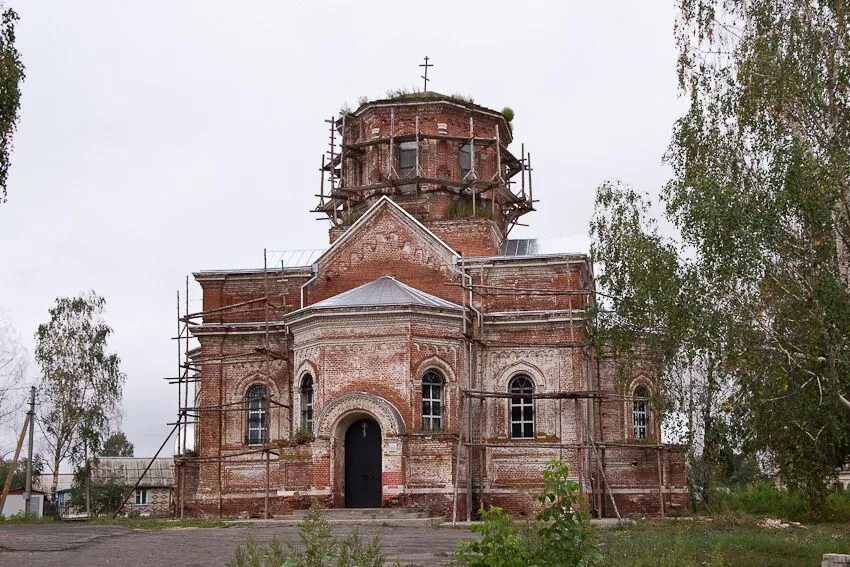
(426, 65)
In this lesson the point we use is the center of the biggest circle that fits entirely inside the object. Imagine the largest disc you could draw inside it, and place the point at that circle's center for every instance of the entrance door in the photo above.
(363, 465)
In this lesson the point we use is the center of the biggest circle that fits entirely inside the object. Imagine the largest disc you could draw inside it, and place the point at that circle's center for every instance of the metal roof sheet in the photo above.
(129, 469)
(293, 258)
(385, 291)
(534, 246)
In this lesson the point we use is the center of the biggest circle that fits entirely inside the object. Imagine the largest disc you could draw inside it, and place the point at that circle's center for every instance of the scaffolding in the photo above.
(189, 366)
(338, 195)
(344, 191)
(589, 449)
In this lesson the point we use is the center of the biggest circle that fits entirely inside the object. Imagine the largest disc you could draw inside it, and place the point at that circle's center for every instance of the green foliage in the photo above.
(565, 534)
(301, 436)
(81, 387)
(726, 541)
(19, 477)
(404, 93)
(11, 77)
(500, 544)
(105, 495)
(560, 536)
(157, 524)
(508, 113)
(253, 555)
(746, 306)
(463, 210)
(319, 548)
(763, 498)
(23, 518)
(117, 445)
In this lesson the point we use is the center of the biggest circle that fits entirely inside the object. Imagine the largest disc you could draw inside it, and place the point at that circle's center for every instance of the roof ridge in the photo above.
(381, 292)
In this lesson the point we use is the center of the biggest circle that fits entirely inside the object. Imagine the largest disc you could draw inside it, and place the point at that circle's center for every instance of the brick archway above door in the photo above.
(383, 411)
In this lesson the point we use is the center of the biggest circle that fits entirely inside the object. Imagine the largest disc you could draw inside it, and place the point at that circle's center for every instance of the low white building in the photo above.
(15, 503)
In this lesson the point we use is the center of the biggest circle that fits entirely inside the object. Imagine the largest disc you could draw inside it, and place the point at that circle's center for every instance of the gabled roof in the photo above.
(127, 470)
(384, 201)
(383, 292)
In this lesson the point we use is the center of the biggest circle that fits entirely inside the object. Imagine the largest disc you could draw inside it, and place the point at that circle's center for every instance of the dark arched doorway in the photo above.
(363, 464)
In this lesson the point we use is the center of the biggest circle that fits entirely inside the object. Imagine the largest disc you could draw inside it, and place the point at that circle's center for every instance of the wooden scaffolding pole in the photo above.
(14, 464)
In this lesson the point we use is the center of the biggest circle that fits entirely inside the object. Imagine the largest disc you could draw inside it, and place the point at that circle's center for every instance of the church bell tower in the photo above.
(442, 158)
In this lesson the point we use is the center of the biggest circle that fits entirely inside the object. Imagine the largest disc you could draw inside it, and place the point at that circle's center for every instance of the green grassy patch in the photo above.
(21, 518)
(155, 524)
(727, 541)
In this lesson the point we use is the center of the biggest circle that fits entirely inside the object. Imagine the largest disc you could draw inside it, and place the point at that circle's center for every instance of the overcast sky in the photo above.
(159, 138)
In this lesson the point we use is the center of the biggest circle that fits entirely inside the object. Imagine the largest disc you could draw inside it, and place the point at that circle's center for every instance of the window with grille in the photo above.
(307, 403)
(465, 160)
(257, 406)
(432, 401)
(407, 159)
(640, 412)
(522, 407)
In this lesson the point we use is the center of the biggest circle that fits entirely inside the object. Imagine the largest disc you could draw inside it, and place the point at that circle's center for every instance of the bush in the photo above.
(24, 518)
(561, 535)
(763, 498)
(319, 548)
(463, 210)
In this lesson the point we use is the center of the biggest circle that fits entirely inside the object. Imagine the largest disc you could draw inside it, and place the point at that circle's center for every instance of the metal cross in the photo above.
(425, 76)
(364, 425)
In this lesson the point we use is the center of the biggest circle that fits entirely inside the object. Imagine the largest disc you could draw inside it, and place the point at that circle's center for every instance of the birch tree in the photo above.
(81, 384)
(759, 203)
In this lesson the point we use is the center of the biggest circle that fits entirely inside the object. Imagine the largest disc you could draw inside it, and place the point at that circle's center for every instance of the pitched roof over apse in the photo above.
(382, 292)
(127, 470)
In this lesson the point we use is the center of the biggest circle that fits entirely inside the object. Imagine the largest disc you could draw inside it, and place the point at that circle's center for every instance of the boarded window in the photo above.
(465, 160)
(407, 159)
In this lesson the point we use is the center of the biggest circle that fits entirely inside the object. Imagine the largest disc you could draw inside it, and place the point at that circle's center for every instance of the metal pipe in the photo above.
(315, 270)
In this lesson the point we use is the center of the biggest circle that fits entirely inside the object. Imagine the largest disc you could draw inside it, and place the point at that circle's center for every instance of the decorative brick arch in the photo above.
(389, 418)
(306, 367)
(239, 389)
(521, 367)
(436, 363)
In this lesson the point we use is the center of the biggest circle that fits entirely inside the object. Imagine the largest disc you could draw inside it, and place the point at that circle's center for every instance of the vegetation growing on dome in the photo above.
(413, 94)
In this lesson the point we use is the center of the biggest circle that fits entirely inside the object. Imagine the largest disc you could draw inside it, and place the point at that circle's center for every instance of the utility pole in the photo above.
(31, 417)
(87, 478)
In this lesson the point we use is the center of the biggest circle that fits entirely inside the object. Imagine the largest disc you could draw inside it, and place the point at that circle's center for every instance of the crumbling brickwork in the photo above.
(338, 345)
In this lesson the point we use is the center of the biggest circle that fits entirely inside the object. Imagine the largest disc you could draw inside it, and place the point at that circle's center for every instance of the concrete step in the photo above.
(365, 513)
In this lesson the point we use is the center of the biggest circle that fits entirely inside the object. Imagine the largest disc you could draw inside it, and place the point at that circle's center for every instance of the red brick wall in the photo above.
(377, 356)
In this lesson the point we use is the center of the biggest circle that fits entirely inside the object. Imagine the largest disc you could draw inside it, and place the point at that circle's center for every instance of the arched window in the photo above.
(307, 403)
(522, 407)
(432, 401)
(465, 160)
(258, 428)
(640, 412)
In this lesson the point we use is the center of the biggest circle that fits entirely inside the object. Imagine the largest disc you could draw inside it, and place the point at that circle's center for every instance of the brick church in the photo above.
(423, 359)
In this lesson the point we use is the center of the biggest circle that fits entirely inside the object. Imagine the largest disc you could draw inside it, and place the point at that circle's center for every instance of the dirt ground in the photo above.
(84, 545)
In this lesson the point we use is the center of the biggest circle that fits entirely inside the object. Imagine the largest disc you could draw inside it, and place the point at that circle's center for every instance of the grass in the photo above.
(21, 518)
(156, 524)
(722, 540)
